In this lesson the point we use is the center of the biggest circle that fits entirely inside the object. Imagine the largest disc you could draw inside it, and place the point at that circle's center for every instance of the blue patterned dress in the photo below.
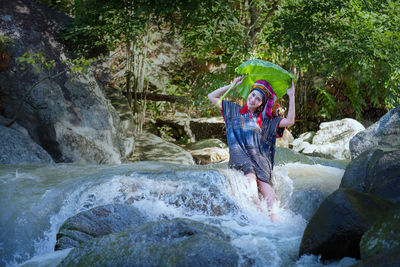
(251, 147)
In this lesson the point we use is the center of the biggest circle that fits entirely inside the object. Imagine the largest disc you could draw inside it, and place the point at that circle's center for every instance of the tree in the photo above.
(351, 44)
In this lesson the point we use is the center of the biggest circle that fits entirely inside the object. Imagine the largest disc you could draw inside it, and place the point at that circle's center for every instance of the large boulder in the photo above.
(286, 140)
(304, 140)
(383, 236)
(385, 132)
(150, 147)
(375, 171)
(210, 155)
(177, 126)
(96, 222)
(67, 115)
(15, 148)
(331, 140)
(206, 143)
(335, 230)
(389, 258)
(285, 155)
(204, 128)
(208, 151)
(306, 201)
(179, 242)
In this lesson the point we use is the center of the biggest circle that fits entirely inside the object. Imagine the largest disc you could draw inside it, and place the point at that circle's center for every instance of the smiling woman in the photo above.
(251, 132)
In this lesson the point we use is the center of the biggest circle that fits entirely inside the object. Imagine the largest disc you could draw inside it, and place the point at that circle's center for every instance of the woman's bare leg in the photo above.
(252, 178)
(269, 194)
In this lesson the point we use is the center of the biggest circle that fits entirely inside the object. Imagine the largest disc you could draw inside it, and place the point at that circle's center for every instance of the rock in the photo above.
(177, 127)
(150, 147)
(305, 139)
(205, 128)
(335, 230)
(206, 143)
(385, 132)
(286, 140)
(375, 171)
(15, 148)
(285, 155)
(306, 201)
(96, 222)
(210, 155)
(15, 126)
(332, 140)
(70, 118)
(383, 236)
(179, 242)
(389, 258)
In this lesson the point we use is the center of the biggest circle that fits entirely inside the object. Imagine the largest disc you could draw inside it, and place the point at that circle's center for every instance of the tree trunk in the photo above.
(128, 74)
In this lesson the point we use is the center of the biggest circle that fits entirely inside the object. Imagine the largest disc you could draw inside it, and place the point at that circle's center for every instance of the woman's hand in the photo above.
(291, 90)
(238, 80)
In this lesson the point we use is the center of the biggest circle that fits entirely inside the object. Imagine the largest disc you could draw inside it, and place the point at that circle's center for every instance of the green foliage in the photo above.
(40, 63)
(37, 61)
(327, 102)
(5, 41)
(357, 42)
(354, 42)
(215, 34)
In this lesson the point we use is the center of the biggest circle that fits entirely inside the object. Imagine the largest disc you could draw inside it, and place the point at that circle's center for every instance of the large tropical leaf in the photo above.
(256, 69)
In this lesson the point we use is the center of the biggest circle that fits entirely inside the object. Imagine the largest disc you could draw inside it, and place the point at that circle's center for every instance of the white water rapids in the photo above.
(36, 200)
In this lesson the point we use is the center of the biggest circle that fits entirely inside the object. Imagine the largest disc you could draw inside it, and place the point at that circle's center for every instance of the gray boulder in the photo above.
(286, 140)
(335, 230)
(383, 236)
(204, 128)
(210, 155)
(306, 201)
(375, 171)
(66, 115)
(206, 143)
(150, 147)
(179, 242)
(15, 148)
(385, 132)
(331, 141)
(285, 155)
(96, 222)
(389, 258)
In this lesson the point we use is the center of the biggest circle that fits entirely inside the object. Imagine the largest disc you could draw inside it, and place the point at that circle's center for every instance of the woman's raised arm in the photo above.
(289, 120)
(214, 96)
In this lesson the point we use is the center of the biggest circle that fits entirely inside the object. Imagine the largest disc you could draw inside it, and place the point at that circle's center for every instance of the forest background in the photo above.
(346, 52)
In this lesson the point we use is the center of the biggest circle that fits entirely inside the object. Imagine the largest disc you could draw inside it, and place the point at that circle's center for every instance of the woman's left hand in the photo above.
(291, 90)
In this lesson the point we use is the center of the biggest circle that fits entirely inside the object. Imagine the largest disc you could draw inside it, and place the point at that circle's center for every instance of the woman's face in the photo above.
(254, 100)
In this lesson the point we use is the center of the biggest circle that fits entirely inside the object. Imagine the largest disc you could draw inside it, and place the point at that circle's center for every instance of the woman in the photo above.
(251, 132)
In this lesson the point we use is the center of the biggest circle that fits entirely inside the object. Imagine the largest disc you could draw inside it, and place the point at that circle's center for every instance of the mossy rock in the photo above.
(375, 171)
(384, 235)
(179, 242)
(335, 230)
(389, 258)
(97, 222)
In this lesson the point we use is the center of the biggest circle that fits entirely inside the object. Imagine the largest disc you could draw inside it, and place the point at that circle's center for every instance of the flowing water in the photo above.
(36, 200)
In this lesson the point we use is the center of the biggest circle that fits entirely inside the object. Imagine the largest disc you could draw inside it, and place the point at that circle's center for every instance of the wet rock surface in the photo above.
(375, 171)
(16, 148)
(179, 242)
(335, 230)
(385, 132)
(97, 222)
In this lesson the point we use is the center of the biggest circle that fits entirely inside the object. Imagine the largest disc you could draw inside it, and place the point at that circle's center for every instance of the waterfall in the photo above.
(37, 199)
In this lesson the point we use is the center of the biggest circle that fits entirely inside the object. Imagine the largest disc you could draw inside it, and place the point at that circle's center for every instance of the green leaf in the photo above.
(256, 69)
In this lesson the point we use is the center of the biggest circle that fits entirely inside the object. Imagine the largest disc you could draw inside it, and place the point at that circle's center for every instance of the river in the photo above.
(37, 199)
